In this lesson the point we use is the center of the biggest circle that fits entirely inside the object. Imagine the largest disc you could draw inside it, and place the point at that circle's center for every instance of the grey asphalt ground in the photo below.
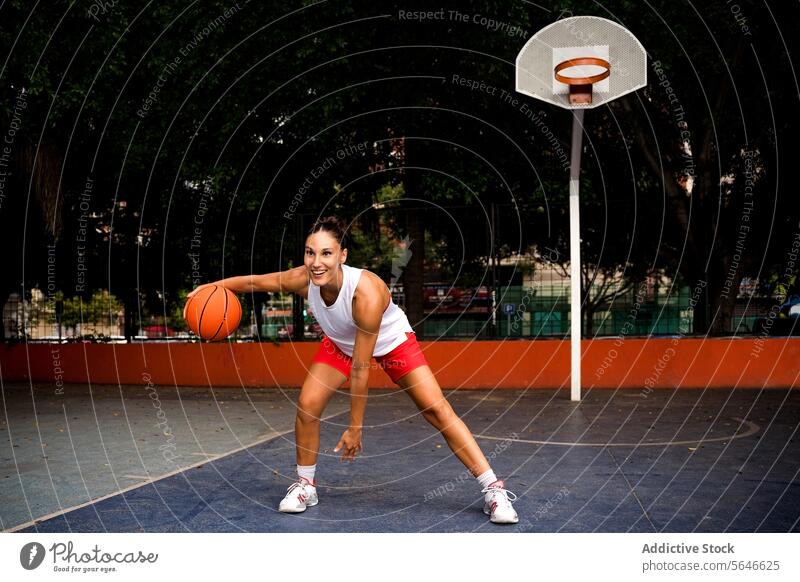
(116, 459)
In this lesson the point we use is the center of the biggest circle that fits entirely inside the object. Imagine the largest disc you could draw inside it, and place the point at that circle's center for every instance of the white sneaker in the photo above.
(301, 494)
(497, 503)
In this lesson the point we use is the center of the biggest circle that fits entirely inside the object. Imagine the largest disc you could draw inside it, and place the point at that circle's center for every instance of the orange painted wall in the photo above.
(607, 363)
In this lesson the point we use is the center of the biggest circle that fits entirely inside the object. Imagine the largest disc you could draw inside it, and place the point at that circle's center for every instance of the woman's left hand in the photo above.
(350, 442)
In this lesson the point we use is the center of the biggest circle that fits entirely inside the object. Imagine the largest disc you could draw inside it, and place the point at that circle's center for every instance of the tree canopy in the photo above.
(158, 146)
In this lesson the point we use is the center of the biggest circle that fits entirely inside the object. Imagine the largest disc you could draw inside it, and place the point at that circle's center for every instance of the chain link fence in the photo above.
(510, 288)
(539, 308)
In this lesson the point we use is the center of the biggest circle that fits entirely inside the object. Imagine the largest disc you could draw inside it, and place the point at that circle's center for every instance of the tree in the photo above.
(707, 130)
(203, 127)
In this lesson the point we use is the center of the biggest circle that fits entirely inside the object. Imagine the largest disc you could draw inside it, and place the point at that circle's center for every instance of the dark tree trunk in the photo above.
(5, 291)
(131, 306)
(588, 320)
(414, 274)
(413, 278)
(702, 307)
(723, 288)
(298, 303)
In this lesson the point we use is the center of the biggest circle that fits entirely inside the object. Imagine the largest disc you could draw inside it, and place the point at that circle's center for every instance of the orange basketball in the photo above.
(213, 313)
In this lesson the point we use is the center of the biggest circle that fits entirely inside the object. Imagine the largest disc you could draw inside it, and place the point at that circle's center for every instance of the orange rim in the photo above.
(583, 80)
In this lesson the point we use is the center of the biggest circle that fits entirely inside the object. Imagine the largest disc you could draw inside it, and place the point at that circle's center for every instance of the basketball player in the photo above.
(360, 321)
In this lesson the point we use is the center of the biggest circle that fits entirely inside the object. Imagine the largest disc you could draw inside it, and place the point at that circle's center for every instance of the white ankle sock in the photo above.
(487, 478)
(307, 472)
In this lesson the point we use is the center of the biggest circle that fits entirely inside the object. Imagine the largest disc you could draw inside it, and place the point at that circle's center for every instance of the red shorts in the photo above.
(400, 361)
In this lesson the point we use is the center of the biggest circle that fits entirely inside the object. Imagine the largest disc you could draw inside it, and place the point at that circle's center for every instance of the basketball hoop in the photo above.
(580, 88)
(590, 44)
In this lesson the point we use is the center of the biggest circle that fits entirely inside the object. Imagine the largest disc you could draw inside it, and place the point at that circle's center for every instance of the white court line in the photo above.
(753, 429)
(264, 439)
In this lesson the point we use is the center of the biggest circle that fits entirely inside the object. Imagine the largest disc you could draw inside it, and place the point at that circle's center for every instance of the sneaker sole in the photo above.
(292, 510)
(489, 513)
(309, 504)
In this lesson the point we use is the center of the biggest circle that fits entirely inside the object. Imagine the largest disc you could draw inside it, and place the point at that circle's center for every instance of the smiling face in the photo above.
(322, 258)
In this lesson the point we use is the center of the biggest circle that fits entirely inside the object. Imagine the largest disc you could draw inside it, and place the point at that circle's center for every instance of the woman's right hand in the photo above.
(203, 286)
(189, 296)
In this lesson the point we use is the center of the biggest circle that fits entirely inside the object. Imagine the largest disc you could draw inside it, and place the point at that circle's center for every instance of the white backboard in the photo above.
(581, 36)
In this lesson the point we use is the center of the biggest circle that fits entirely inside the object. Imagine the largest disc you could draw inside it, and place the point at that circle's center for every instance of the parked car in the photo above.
(791, 308)
(158, 330)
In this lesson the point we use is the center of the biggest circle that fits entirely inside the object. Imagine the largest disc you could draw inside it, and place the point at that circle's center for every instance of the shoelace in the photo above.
(299, 483)
(509, 495)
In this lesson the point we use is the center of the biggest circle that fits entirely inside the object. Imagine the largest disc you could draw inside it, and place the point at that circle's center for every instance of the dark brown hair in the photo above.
(333, 225)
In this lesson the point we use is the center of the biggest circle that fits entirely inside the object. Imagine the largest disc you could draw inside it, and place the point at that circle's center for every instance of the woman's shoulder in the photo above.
(371, 286)
(370, 280)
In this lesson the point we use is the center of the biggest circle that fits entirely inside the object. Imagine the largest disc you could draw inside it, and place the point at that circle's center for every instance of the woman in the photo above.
(355, 310)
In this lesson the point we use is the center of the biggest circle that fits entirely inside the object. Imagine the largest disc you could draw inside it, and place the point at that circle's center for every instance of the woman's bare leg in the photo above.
(319, 386)
(426, 393)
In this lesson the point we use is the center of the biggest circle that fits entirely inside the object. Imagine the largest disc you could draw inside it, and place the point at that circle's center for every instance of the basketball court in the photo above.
(159, 457)
(211, 210)
(107, 459)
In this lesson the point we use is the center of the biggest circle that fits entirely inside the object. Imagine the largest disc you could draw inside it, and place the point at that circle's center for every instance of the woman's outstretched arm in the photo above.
(291, 281)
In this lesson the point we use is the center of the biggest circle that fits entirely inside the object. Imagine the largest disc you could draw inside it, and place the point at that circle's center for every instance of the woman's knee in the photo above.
(308, 410)
(440, 414)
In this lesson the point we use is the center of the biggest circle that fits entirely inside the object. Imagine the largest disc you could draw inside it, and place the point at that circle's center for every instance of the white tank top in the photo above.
(337, 322)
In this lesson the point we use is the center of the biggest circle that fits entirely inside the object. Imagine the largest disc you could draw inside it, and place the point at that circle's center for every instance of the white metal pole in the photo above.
(575, 253)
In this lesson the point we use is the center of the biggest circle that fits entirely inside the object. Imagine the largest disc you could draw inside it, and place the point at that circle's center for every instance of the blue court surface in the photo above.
(619, 461)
